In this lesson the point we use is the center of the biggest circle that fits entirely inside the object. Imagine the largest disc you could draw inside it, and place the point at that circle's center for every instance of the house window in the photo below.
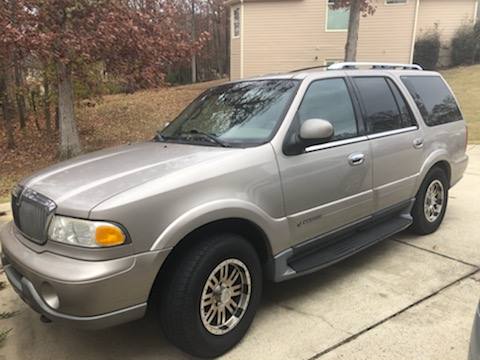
(236, 22)
(392, 2)
(337, 19)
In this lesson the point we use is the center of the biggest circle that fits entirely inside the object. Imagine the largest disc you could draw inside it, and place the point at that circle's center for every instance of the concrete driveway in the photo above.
(409, 297)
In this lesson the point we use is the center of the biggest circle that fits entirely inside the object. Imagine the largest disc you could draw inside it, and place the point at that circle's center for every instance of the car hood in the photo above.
(79, 184)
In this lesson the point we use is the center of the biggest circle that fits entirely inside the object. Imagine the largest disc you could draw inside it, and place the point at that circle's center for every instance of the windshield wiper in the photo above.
(158, 136)
(208, 136)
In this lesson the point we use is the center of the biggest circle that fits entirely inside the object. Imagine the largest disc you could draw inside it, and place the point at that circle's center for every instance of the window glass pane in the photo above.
(246, 112)
(407, 117)
(236, 22)
(382, 113)
(433, 98)
(329, 100)
(337, 19)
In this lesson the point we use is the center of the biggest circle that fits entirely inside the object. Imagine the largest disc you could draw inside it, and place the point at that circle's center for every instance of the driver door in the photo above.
(329, 185)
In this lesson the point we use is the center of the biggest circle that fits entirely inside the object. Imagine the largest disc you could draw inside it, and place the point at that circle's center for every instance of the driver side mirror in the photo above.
(316, 129)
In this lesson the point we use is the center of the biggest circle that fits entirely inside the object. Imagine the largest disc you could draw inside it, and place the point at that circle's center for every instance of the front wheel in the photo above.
(431, 202)
(212, 295)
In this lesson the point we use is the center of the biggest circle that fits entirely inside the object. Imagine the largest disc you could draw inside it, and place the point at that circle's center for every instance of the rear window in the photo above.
(433, 98)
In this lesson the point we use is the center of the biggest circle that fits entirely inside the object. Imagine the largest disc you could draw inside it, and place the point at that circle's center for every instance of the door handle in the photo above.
(356, 159)
(418, 143)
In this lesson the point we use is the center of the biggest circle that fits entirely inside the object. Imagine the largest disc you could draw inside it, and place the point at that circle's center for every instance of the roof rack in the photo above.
(372, 65)
(310, 68)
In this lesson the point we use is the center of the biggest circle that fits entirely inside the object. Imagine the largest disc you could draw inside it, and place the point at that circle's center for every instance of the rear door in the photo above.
(395, 137)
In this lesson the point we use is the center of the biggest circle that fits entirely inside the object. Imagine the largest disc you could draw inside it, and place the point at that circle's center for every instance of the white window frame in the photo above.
(326, 19)
(396, 4)
(239, 9)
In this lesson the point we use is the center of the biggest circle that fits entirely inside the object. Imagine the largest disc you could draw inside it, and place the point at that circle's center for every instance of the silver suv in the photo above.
(263, 179)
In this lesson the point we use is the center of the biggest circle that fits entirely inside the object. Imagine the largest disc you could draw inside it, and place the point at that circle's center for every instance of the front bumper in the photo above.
(87, 294)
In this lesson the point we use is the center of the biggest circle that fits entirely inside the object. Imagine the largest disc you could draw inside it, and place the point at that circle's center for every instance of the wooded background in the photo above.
(55, 54)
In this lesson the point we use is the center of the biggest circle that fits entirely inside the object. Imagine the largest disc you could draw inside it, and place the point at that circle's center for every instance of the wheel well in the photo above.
(445, 166)
(249, 230)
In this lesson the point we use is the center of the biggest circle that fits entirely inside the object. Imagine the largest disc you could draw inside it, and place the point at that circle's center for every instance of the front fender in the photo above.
(276, 229)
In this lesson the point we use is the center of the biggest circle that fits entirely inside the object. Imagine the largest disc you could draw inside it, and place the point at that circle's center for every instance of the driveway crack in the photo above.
(292, 309)
(434, 252)
(378, 323)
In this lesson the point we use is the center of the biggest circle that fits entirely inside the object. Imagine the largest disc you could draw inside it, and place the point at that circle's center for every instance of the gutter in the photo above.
(242, 22)
(414, 35)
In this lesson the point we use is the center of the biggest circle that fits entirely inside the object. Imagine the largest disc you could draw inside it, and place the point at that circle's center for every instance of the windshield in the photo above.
(242, 113)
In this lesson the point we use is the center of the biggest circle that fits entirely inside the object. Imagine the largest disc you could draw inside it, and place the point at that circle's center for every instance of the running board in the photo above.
(348, 246)
(292, 263)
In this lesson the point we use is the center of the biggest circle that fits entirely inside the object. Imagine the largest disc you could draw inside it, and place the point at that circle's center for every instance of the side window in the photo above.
(330, 100)
(236, 22)
(407, 116)
(381, 110)
(337, 19)
(433, 98)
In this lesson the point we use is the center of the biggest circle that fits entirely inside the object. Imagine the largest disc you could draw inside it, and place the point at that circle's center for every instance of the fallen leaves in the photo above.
(114, 120)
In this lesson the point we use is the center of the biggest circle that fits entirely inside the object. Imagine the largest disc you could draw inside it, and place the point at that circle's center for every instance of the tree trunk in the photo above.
(6, 111)
(194, 55)
(69, 140)
(353, 29)
(46, 103)
(19, 97)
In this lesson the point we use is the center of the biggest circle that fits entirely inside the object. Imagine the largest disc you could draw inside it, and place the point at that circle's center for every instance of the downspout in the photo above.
(414, 35)
(242, 16)
(476, 15)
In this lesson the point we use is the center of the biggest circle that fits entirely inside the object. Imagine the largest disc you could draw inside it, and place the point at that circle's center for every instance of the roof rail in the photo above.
(372, 65)
(310, 68)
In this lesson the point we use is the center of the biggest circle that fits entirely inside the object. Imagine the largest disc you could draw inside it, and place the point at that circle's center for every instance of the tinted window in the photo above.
(380, 107)
(407, 116)
(330, 100)
(241, 113)
(433, 98)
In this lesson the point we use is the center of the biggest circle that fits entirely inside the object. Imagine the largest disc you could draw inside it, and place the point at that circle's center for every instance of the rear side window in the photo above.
(380, 107)
(407, 117)
(433, 98)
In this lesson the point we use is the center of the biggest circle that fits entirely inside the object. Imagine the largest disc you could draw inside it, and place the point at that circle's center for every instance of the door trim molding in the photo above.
(335, 144)
(392, 132)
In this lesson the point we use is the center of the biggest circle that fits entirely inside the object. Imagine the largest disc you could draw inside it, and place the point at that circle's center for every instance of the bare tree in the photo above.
(357, 8)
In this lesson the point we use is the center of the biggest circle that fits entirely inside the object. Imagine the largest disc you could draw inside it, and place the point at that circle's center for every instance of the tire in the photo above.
(184, 321)
(425, 219)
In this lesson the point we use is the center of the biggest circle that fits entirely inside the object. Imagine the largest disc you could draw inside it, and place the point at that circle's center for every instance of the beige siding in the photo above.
(281, 36)
(286, 35)
(235, 58)
(448, 16)
(388, 34)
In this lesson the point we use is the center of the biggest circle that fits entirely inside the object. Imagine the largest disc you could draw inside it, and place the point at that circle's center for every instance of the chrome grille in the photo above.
(31, 213)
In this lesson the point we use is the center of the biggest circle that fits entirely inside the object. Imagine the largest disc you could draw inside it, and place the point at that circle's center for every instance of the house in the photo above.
(269, 36)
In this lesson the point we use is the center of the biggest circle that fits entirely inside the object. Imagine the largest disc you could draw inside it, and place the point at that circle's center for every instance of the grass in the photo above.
(465, 82)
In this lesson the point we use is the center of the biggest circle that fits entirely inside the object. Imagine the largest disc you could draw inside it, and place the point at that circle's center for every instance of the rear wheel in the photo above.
(211, 296)
(431, 202)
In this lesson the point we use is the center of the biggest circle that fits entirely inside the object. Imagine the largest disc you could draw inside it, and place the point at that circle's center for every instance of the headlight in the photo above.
(85, 232)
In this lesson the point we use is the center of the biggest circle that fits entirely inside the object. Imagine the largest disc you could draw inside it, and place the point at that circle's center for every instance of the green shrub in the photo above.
(466, 45)
(427, 49)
